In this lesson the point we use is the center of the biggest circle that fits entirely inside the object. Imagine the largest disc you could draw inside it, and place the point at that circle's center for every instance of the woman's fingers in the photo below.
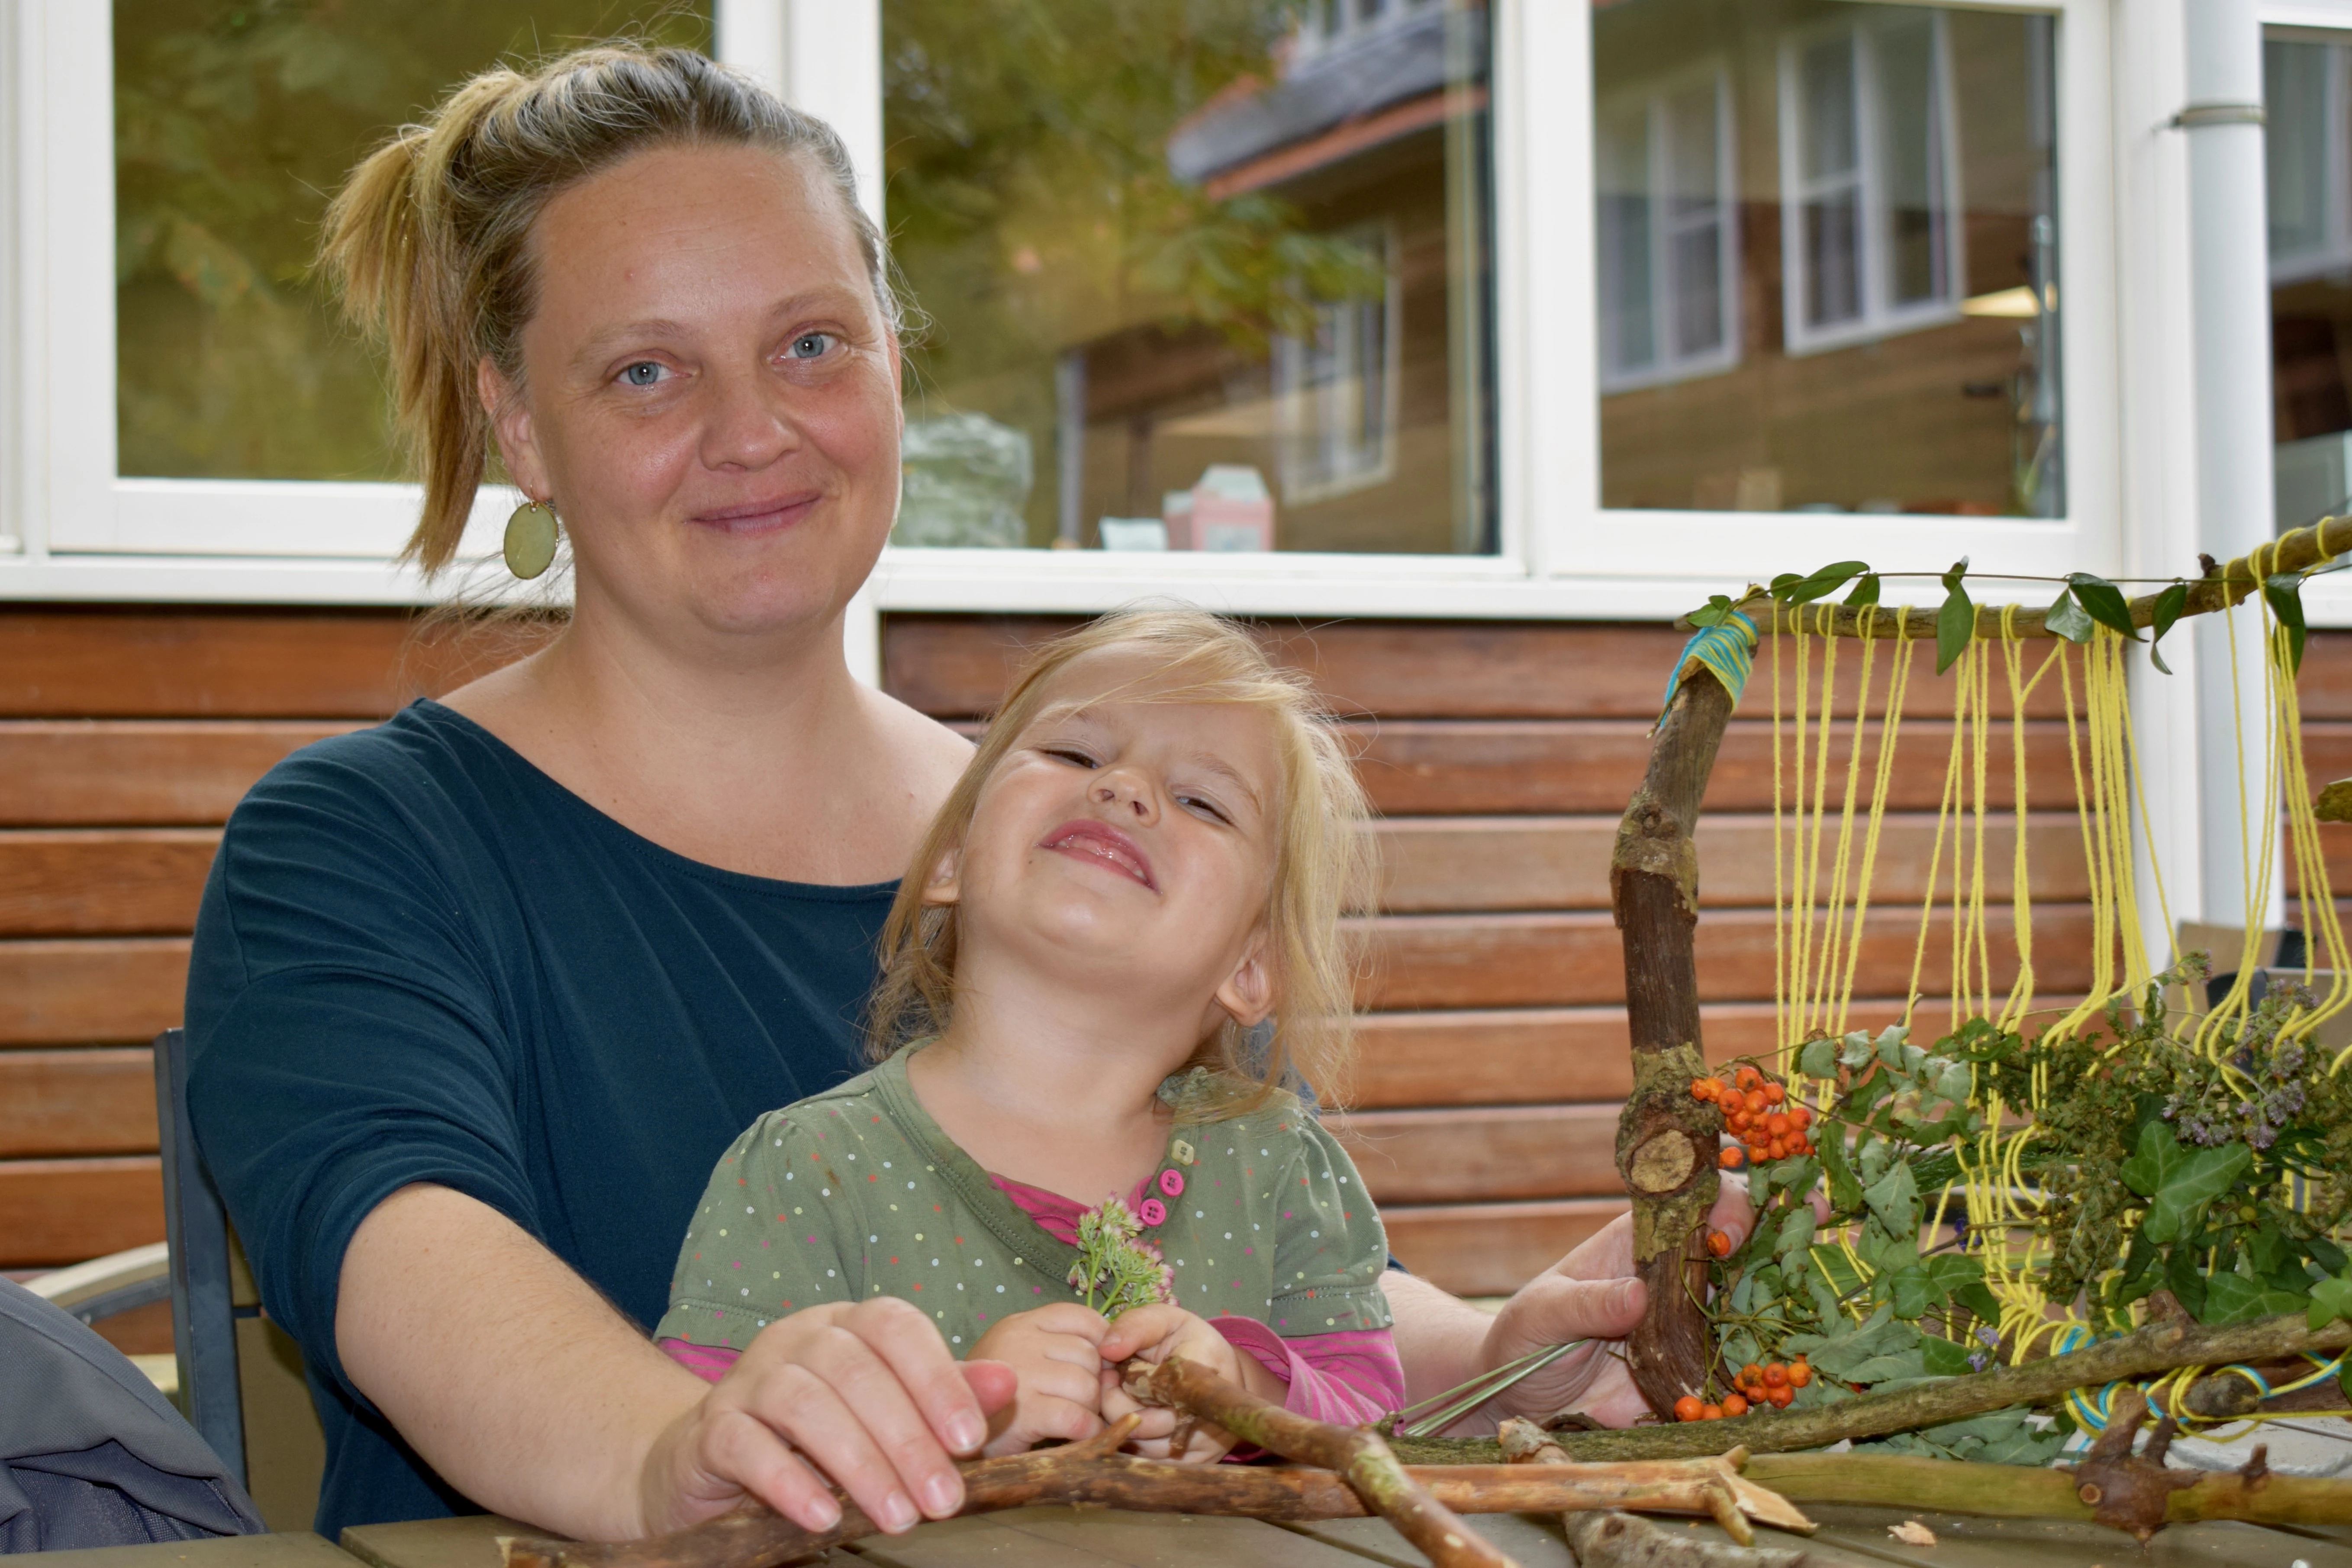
(836, 1430)
(749, 1451)
(920, 1364)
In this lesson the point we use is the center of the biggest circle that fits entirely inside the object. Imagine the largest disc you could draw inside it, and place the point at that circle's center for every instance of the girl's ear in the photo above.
(945, 886)
(1248, 994)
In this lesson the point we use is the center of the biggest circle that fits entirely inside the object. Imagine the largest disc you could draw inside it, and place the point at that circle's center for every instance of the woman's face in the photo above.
(710, 393)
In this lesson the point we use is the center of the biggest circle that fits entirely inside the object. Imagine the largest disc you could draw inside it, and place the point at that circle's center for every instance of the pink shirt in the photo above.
(1346, 1378)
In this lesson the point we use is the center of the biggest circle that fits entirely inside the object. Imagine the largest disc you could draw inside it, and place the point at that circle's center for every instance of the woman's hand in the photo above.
(866, 1393)
(1053, 1353)
(1589, 1295)
(1155, 1334)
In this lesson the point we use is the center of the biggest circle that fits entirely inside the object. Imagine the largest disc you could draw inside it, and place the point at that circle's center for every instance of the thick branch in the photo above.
(1620, 1541)
(2156, 1347)
(1666, 1139)
(1360, 1457)
(2017, 1492)
(2222, 586)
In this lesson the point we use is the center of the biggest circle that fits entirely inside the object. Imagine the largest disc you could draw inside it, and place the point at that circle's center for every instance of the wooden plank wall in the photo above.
(1500, 755)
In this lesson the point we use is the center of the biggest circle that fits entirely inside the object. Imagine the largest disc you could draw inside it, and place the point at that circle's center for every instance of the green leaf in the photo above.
(1956, 622)
(1894, 1198)
(1796, 1233)
(1845, 1193)
(1845, 1352)
(2283, 592)
(1818, 1058)
(1908, 1291)
(2068, 619)
(2177, 1183)
(1713, 613)
(2186, 1279)
(2330, 1300)
(2167, 610)
(1779, 586)
(2234, 1298)
(1944, 1358)
(2105, 602)
(1828, 580)
(1957, 570)
(1866, 592)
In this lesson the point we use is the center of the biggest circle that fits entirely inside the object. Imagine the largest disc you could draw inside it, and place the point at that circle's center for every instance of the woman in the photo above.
(479, 995)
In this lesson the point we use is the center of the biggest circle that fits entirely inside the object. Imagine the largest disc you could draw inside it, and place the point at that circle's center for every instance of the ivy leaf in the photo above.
(1894, 1199)
(1908, 1291)
(1944, 1358)
(2161, 614)
(2330, 1300)
(1956, 622)
(1828, 580)
(2184, 1277)
(2105, 602)
(1845, 1193)
(1819, 1058)
(1866, 592)
(2234, 1298)
(2068, 619)
(1713, 613)
(2283, 592)
(2177, 1183)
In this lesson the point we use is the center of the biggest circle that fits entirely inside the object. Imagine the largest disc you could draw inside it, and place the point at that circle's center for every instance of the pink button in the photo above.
(1171, 1182)
(1153, 1212)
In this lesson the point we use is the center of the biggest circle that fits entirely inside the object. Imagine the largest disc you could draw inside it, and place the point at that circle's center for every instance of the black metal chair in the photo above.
(204, 1310)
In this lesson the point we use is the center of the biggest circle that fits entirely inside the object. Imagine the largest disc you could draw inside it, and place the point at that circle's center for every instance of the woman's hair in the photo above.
(1324, 863)
(429, 240)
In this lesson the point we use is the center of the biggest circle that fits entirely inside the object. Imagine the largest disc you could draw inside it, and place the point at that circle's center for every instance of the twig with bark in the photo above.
(1666, 1139)
(1355, 1453)
(1615, 1540)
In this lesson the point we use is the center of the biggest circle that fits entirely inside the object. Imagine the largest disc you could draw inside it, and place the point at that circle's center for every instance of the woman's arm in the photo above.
(577, 1422)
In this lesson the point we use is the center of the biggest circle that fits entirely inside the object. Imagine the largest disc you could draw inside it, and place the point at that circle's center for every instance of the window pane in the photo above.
(233, 123)
(2304, 88)
(1232, 252)
(1889, 244)
(1626, 305)
(1696, 213)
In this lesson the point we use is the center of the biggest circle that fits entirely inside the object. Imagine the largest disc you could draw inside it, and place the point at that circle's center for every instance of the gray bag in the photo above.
(90, 1453)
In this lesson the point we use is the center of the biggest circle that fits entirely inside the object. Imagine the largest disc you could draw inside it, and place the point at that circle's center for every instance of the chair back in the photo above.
(203, 1319)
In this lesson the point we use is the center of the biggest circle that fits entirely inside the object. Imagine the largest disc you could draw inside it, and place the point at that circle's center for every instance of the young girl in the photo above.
(1147, 860)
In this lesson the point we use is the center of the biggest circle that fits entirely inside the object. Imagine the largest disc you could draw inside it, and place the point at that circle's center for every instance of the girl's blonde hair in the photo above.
(429, 240)
(1324, 863)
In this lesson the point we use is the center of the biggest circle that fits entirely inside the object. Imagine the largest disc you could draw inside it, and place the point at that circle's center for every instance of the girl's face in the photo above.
(711, 393)
(1128, 840)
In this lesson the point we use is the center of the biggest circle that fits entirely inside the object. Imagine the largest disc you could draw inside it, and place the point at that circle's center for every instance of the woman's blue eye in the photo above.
(644, 372)
(812, 345)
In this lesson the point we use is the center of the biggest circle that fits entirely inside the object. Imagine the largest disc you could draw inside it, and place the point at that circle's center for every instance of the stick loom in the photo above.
(1094, 1473)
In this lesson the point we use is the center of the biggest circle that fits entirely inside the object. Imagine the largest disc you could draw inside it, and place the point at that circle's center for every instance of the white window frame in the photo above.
(86, 535)
(1652, 101)
(1880, 316)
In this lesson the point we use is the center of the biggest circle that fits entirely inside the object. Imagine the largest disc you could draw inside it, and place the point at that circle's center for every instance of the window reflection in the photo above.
(1827, 258)
(233, 123)
(1225, 260)
(2306, 82)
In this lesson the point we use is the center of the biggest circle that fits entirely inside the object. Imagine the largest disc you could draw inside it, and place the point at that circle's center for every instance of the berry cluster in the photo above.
(1773, 1383)
(1758, 1112)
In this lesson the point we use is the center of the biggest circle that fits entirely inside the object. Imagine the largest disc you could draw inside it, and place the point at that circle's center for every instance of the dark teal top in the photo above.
(420, 959)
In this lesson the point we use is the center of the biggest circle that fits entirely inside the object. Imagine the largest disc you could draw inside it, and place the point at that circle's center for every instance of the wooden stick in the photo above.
(2156, 1347)
(2015, 1491)
(2218, 588)
(1095, 1474)
(1358, 1455)
(1666, 1139)
(1616, 1540)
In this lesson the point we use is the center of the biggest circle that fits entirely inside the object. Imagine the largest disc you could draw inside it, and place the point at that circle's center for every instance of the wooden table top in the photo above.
(1097, 1538)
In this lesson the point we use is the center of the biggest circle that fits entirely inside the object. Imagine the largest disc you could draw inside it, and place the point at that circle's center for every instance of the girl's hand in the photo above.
(1155, 1334)
(866, 1393)
(1054, 1352)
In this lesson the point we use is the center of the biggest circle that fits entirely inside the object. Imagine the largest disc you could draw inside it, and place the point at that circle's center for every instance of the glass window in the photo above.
(2308, 151)
(1827, 258)
(1210, 276)
(233, 122)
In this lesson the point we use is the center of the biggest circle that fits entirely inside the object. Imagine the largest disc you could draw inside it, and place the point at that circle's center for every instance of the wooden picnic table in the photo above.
(1100, 1538)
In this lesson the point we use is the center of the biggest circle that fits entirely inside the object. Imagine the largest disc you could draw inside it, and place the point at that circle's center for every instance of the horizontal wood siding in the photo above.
(1499, 756)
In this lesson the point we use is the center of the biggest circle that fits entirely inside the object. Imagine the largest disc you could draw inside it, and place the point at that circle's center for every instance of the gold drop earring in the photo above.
(531, 539)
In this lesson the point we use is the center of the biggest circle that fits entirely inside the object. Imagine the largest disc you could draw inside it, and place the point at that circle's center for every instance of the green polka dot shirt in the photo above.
(858, 1192)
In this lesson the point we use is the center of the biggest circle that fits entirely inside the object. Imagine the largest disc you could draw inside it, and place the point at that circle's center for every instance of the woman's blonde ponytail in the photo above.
(428, 241)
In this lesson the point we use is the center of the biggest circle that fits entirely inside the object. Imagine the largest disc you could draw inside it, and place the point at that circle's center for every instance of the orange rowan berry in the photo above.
(1702, 1089)
(1776, 1149)
(1719, 1244)
(1776, 1372)
(1731, 1158)
(1778, 1125)
(1733, 1405)
(1800, 1374)
(1781, 1397)
(1756, 1103)
(1752, 1373)
(1747, 1077)
(1758, 1154)
(1774, 1094)
(1802, 1116)
(1687, 1407)
(1710, 1411)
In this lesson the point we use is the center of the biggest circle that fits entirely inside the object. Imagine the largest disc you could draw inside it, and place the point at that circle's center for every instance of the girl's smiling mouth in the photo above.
(1100, 842)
